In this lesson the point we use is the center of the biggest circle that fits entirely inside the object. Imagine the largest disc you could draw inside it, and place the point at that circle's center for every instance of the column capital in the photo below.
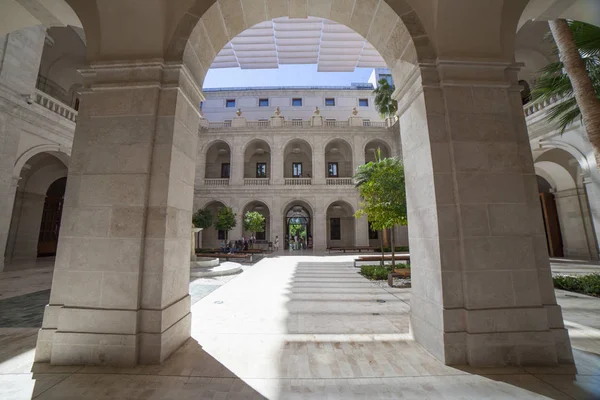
(109, 75)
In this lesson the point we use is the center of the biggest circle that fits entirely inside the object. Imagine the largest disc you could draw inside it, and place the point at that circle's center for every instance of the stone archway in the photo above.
(341, 224)
(262, 238)
(470, 179)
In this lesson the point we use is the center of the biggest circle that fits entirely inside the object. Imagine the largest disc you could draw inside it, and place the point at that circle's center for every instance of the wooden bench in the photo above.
(382, 259)
(360, 249)
(227, 256)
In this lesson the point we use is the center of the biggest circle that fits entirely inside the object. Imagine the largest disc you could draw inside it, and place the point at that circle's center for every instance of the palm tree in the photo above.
(383, 99)
(575, 78)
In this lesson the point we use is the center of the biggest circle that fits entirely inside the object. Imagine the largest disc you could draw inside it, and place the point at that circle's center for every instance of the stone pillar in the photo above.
(236, 158)
(318, 161)
(277, 121)
(482, 290)
(316, 121)
(120, 287)
(362, 231)
(27, 230)
(320, 229)
(355, 122)
(20, 55)
(277, 162)
(238, 122)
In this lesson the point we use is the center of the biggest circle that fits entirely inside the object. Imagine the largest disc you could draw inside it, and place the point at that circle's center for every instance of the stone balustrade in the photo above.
(216, 182)
(533, 107)
(242, 123)
(298, 181)
(340, 181)
(257, 181)
(54, 105)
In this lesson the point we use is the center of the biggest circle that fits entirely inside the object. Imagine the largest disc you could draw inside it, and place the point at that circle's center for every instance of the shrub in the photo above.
(375, 272)
(586, 284)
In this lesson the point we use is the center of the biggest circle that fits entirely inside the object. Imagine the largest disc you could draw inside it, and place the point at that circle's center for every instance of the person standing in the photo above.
(276, 243)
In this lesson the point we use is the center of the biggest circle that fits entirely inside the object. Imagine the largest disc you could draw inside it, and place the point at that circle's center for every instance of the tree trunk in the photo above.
(381, 243)
(582, 84)
(393, 249)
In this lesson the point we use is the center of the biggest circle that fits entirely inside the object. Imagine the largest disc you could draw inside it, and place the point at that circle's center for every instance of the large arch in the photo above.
(218, 161)
(338, 159)
(374, 146)
(454, 64)
(298, 225)
(37, 174)
(257, 159)
(262, 238)
(211, 238)
(297, 159)
(341, 224)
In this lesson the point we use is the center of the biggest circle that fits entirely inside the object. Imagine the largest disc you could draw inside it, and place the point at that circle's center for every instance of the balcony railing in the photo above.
(55, 106)
(375, 124)
(340, 181)
(298, 181)
(216, 182)
(258, 124)
(257, 181)
(533, 107)
(297, 123)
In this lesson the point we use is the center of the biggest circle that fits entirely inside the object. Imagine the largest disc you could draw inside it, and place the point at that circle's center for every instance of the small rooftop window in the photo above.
(297, 102)
(230, 103)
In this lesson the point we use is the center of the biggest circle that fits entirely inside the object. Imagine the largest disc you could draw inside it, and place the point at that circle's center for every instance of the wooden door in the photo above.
(551, 224)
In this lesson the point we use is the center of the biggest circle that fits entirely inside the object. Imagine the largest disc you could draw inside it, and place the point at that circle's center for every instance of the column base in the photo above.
(502, 337)
(112, 337)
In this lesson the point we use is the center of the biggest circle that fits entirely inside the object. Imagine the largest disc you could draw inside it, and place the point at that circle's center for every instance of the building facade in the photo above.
(284, 151)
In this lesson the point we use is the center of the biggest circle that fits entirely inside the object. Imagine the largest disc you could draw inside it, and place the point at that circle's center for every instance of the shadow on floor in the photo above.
(190, 373)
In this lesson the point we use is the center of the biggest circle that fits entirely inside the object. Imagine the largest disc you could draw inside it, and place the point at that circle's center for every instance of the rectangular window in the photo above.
(230, 103)
(225, 170)
(263, 102)
(373, 234)
(330, 102)
(261, 170)
(297, 170)
(363, 102)
(297, 102)
(221, 235)
(335, 231)
(261, 235)
(332, 170)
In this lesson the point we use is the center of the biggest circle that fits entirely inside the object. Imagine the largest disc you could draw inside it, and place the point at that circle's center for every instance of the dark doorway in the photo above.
(298, 224)
(50, 226)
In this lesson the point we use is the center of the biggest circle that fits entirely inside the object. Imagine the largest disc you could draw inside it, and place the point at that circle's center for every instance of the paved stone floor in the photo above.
(291, 328)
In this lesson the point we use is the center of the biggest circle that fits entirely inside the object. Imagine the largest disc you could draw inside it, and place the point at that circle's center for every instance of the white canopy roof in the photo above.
(333, 47)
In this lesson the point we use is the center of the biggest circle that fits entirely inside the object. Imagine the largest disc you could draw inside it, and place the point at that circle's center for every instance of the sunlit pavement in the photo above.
(293, 328)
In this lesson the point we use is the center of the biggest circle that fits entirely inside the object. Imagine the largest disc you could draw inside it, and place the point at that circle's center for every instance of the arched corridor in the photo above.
(341, 225)
(261, 237)
(298, 226)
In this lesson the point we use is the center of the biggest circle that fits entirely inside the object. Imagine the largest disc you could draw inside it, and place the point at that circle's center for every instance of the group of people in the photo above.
(237, 245)
(297, 242)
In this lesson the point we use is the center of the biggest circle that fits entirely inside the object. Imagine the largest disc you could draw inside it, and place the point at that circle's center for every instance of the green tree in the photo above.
(383, 99)
(225, 220)
(254, 222)
(203, 218)
(383, 195)
(575, 78)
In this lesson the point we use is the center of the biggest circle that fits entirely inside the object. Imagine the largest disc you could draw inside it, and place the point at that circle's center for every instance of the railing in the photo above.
(219, 125)
(216, 182)
(296, 123)
(533, 107)
(258, 124)
(375, 124)
(340, 181)
(330, 123)
(298, 181)
(55, 106)
(257, 181)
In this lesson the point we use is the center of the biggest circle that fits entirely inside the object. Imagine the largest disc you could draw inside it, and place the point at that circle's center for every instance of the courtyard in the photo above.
(289, 327)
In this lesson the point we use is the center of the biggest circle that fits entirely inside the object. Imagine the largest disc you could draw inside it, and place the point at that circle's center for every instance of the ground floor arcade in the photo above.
(286, 328)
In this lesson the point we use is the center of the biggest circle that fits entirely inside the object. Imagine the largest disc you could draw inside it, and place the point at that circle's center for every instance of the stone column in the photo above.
(20, 55)
(318, 160)
(592, 190)
(482, 290)
(320, 229)
(28, 222)
(120, 287)
(277, 162)
(362, 231)
(236, 158)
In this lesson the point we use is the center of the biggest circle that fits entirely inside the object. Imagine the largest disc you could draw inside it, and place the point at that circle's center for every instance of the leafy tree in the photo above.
(575, 78)
(225, 220)
(383, 195)
(383, 99)
(203, 218)
(254, 222)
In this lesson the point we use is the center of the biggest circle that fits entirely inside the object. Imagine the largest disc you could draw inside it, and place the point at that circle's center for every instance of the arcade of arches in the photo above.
(482, 290)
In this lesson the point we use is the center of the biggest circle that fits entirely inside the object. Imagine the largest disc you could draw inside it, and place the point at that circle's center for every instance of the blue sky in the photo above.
(285, 75)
